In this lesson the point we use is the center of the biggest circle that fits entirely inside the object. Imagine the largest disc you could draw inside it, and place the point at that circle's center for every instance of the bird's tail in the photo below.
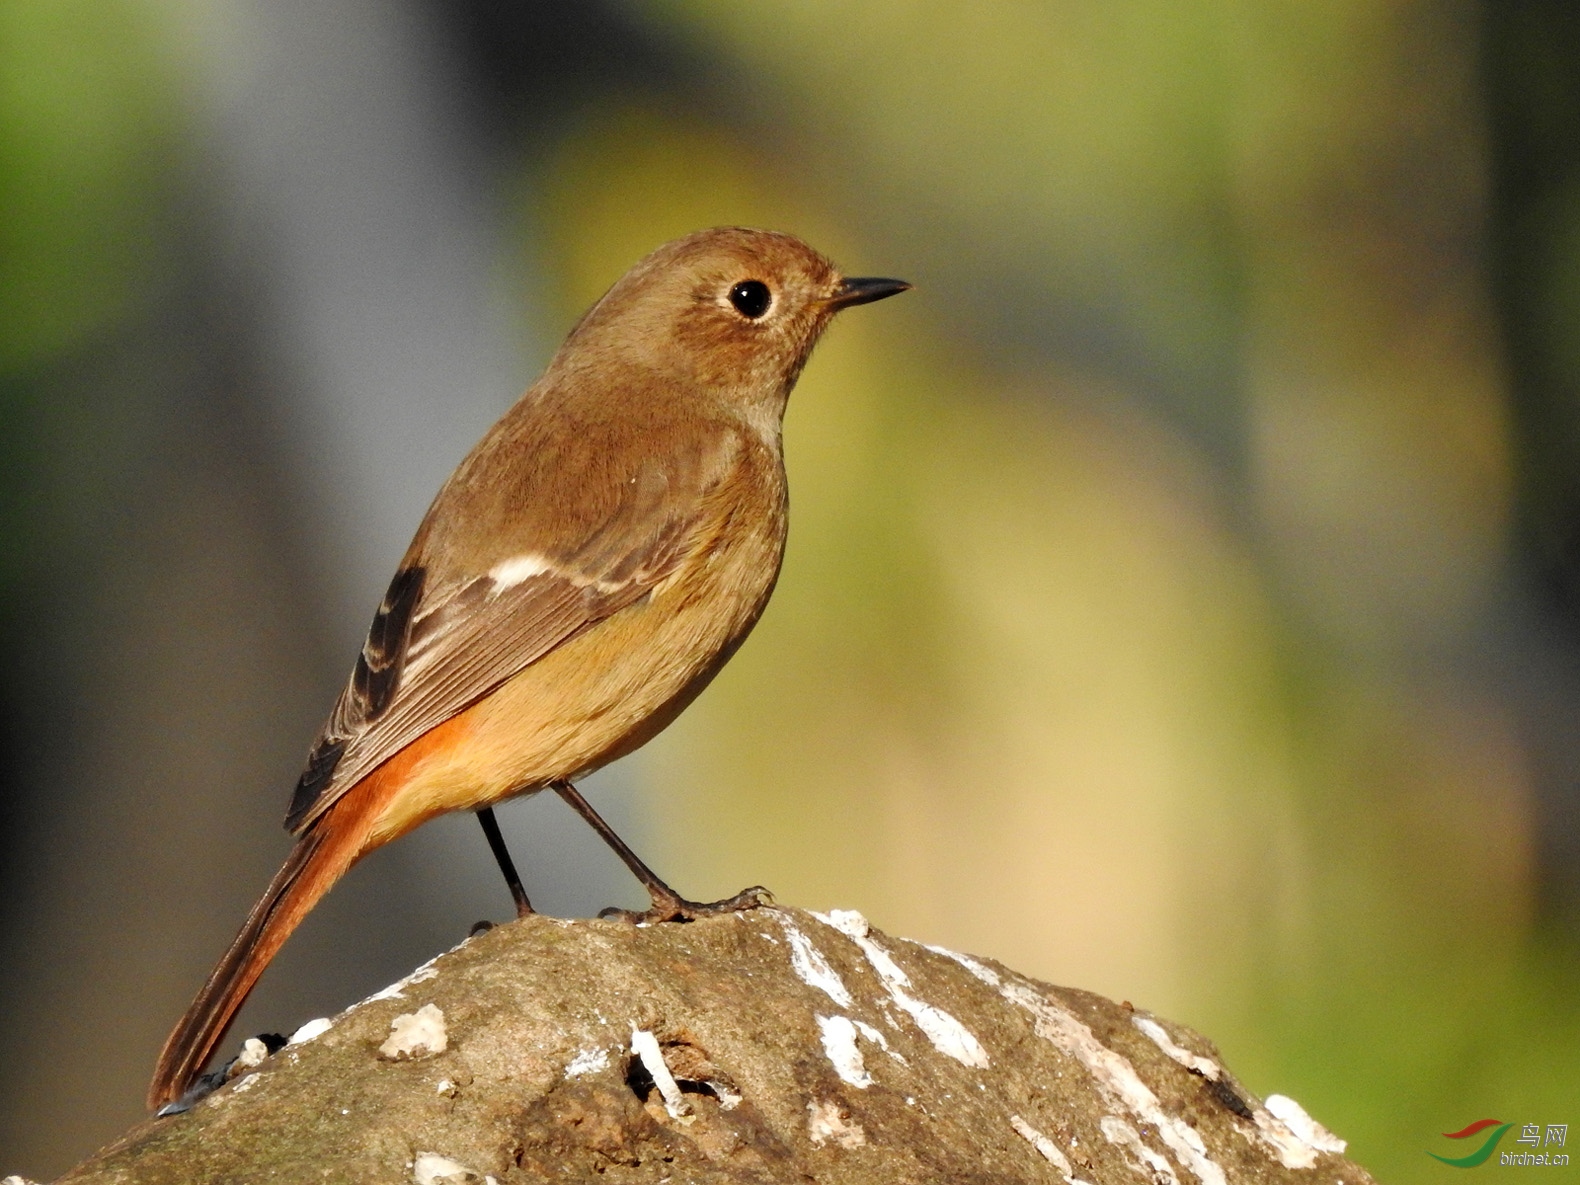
(320, 858)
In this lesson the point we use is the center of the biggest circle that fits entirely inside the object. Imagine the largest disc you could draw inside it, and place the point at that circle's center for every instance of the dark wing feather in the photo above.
(373, 682)
(420, 667)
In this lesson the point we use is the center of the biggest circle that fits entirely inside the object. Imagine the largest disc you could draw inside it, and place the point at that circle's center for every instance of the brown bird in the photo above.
(579, 579)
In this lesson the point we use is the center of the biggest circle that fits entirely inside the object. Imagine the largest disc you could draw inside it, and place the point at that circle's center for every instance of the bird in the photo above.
(577, 581)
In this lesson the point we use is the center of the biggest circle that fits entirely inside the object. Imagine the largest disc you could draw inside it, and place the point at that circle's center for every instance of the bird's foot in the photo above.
(672, 907)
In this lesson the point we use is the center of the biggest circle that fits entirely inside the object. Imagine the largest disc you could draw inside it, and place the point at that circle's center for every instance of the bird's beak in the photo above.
(854, 290)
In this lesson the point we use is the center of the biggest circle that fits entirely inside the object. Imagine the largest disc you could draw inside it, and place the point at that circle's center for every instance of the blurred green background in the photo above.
(1183, 592)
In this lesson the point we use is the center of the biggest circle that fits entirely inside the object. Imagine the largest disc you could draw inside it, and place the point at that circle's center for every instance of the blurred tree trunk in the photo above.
(1530, 51)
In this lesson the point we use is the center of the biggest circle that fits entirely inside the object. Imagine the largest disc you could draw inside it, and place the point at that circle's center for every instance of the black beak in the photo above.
(864, 290)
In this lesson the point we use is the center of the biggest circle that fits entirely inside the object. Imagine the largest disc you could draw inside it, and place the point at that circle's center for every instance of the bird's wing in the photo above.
(432, 652)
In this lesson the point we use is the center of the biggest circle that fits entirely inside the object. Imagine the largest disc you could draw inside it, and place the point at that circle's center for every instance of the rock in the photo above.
(775, 1045)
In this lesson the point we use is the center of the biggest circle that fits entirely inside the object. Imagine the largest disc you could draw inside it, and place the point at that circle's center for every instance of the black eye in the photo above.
(751, 298)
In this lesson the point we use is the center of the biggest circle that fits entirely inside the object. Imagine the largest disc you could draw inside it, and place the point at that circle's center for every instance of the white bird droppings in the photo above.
(1204, 1066)
(839, 1044)
(416, 1034)
(429, 1168)
(1117, 1079)
(1292, 1152)
(1152, 1165)
(850, 923)
(811, 967)
(588, 1061)
(645, 1046)
(1295, 1138)
(397, 990)
(826, 1122)
(947, 1034)
(311, 1030)
(1304, 1128)
(1047, 1149)
(1302, 1125)
(253, 1051)
(877, 1038)
(986, 974)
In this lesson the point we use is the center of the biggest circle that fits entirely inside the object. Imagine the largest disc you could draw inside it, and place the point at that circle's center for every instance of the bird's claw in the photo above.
(675, 908)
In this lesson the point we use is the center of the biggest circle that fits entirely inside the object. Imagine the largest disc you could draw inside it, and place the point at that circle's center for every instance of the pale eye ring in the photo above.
(751, 298)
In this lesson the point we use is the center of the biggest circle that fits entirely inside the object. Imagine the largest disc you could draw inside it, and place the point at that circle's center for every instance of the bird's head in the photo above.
(728, 313)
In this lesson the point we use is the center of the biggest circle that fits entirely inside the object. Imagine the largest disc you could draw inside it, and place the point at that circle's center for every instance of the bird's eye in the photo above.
(751, 298)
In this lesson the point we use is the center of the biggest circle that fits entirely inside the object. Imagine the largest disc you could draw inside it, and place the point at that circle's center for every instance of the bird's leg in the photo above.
(496, 844)
(668, 905)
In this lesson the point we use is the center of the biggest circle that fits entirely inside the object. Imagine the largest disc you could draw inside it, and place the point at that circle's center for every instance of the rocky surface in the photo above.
(776, 1045)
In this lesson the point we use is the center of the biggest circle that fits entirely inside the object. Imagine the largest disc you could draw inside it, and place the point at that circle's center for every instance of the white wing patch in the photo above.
(517, 569)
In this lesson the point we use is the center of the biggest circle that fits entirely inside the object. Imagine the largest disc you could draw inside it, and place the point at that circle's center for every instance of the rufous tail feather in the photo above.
(332, 843)
(320, 858)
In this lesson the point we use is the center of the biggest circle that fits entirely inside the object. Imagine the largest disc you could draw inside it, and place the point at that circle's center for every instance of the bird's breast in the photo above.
(614, 686)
